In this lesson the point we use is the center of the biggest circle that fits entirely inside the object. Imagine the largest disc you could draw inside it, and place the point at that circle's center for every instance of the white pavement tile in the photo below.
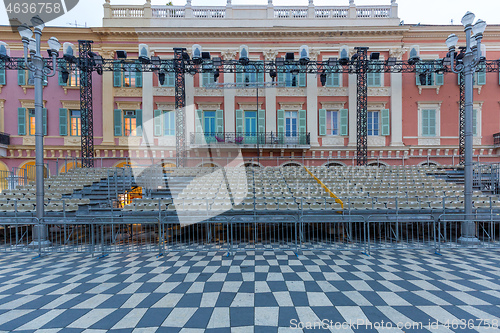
(41, 320)
(131, 319)
(283, 298)
(393, 299)
(208, 300)
(90, 318)
(243, 300)
(295, 286)
(318, 299)
(168, 301)
(179, 317)
(219, 318)
(92, 302)
(266, 316)
(134, 300)
(357, 298)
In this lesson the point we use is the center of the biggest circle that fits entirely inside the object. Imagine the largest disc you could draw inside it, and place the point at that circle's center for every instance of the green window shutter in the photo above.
(418, 70)
(330, 80)
(117, 119)
(240, 77)
(2, 73)
(205, 79)
(302, 79)
(63, 121)
(260, 77)
(61, 64)
(239, 121)
(432, 122)
(117, 76)
(281, 77)
(219, 121)
(60, 79)
(44, 120)
(170, 79)
(21, 74)
(138, 121)
(262, 121)
(302, 121)
(281, 121)
(481, 78)
(21, 121)
(138, 77)
(344, 122)
(474, 122)
(439, 79)
(322, 122)
(157, 122)
(199, 121)
(386, 122)
(425, 122)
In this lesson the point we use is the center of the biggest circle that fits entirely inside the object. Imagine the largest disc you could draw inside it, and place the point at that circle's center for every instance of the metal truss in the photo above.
(362, 96)
(180, 107)
(182, 64)
(461, 136)
(86, 109)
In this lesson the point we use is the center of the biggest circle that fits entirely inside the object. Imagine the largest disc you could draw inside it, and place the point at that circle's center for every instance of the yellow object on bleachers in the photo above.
(337, 200)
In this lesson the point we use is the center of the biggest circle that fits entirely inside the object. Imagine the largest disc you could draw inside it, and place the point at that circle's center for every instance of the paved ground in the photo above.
(252, 292)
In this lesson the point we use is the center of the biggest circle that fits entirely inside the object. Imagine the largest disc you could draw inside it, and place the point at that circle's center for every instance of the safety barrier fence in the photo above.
(230, 234)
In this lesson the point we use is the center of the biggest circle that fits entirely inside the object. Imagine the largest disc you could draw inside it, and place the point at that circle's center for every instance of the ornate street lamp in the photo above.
(467, 66)
(36, 65)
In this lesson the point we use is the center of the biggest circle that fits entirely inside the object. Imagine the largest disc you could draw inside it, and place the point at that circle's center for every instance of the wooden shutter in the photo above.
(21, 74)
(432, 122)
(260, 75)
(386, 122)
(2, 74)
(199, 121)
(302, 79)
(474, 122)
(63, 121)
(281, 121)
(138, 76)
(322, 121)
(21, 121)
(170, 79)
(344, 122)
(240, 77)
(239, 122)
(219, 121)
(117, 119)
(157, 114)
(117, 75)
(439, 79)
(138, 122)
(44, 120)
(262, 121)
(481, 78)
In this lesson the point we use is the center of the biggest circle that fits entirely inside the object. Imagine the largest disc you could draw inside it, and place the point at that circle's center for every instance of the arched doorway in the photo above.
(27, 171)
(70, 165)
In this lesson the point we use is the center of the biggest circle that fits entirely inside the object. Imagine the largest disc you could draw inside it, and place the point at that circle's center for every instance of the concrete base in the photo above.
(468, 240)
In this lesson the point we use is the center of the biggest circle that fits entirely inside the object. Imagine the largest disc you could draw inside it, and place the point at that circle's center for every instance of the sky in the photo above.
(90, 12)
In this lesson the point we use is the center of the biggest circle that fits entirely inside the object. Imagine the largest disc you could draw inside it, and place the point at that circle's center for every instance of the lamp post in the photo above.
(472, 57)
(37, 66)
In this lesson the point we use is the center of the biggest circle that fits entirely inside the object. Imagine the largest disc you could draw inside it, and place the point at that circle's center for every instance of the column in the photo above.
(270, 55)
(312, 108)
(229, 96)
(353, 109)
(108, 137)
(147, 108)
(396, 109)
(190, 107)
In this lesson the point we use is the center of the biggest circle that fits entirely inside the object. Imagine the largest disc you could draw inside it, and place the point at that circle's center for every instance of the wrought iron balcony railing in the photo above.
(252, 138)
(4, 139)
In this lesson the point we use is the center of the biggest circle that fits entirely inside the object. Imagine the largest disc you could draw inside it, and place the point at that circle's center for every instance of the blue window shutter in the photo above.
(157, 122)
(322, 122)
(344, 122)
(63, 122)
(260, 77)
(386, 123)
(240, 77)
(262, 121)
(138, 77)
(117, 119)
(61, 64)
(425, 122)
(281, 77)
(302, 79)
(60, 79)
(474, 121)
(302, 121)
(117, 75)
(281, 121)
(219, 121)
(239, 122)
(330, 81)
(481, 78)
(418, 68)
(21, 74)
(199, 121)
(21, 121)
(138, 121)
(170, 79)
(2, 73)
(44, 120)
(432, 122)
(439, 79)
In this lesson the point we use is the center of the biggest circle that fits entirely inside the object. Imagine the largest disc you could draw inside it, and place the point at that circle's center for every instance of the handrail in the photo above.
(332, 195)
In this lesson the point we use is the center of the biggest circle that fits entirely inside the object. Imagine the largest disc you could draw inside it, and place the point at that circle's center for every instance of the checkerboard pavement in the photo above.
(251, 291)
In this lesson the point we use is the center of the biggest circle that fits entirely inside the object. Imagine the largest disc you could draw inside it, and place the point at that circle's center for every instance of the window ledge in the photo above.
(66, 88)
(420, 87)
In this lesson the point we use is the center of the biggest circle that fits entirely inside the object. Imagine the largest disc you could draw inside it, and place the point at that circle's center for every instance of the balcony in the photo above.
(496, 140)
(4, 143)
(269, 140)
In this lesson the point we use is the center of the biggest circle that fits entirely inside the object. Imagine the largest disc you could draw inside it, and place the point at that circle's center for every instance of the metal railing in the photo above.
(251, 138)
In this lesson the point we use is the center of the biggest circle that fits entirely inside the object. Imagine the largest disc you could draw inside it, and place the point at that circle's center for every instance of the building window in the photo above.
(31, 121)
(74, 79)
(130, 123)
(207, 76)
(428, 122)
(250, 74)
(374, 79)
(169, 80)
(332, 123)
(129, 75)
(373, 122)
(75, 122)
(291, 77)
(291, 123)
(168, 122)
(426, 74)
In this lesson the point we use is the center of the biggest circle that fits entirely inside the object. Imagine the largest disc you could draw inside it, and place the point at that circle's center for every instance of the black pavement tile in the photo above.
(110, 320)
(190, 300)
(154, 317)
(200, 318)
(225, 299)
(213, 287)
(264, 300)
(286, 315)
(241, 316)
(66, 318)
(114, 302)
